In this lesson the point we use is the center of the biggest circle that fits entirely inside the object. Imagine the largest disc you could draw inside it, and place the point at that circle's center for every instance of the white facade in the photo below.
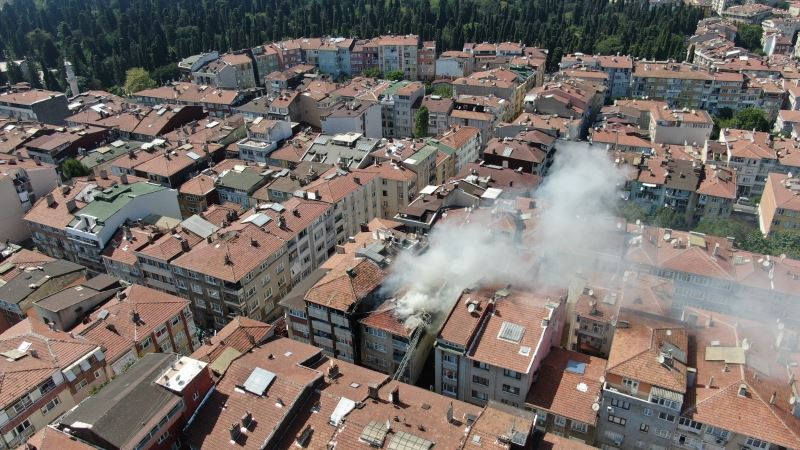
(368, 123)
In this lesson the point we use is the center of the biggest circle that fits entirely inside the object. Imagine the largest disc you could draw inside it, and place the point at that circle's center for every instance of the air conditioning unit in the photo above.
(610, 409)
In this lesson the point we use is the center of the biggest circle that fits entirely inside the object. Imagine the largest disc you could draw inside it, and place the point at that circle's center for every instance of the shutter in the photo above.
(70, 376)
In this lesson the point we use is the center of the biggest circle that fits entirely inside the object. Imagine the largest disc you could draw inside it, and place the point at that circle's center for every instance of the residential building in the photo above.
(751, 155)
(63, 228)
(68, 307)
(498, 177)
(229, 71)
(160, 394)
(438, 113)
(529, 152)
(59, 146)
(750, 13)
(398, 103)
(47, 373)
(218, 102)
(22, 183)
(137, 322)
(33, 282)
(333, 56)
(346, 150)
(241, 335)
(684, 126)
(263, 137)
(354, 196)
(483, 354)
(426, 61)
(642, 396)
(154, 259)
(779, 208)
(510, 84)
(197, 194)
(37, 105)
(353, 117)
(570, 99)
(363, 56)
(237, 271)
(178, 163)
(119, 256)
(239, 184)
(418, 157)
(398, 53)
(454, 64)
(553, 398)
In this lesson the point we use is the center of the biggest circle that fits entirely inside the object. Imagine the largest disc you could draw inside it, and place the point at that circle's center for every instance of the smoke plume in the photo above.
(573, 208)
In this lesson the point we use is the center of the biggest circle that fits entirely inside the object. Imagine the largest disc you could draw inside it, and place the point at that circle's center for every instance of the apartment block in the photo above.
(483, 354)
(37, 105)
(685, 126)
(229, 71)
(779, 208)
(160, 393)
(48, 372)
(353, 117)
(528, 152)
(398, 103)
(263, 137)
(22, 183)
(218, 102)
(78, 222)
(398, 53)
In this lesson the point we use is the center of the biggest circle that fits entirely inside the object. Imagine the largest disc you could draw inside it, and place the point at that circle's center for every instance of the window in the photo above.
(480, 395)
(663, 433)
(200, 303)
(22, 404)
(580, 427)
(448, 389)
(689, 423)
(617, 420)
(297, 313)
(195, 396)
(146, 343)
(633, 385)
(181, 284)
(665, 402)
(21, 428)
(511, 389)
(480, 380)
(756, 443)
(216, 308)
(449, 374)
(648, 412)
(161, 331)
(211, 280)
(619, 403)
(50, 405)
(376, 347)
(47, 386)
(163, 437)
(559, 421)
(97, 373)
(644, 428)
(512, 374)
(197, 289)
(720, 433)
(667, 417)
(81, 385)
(449, 358)
(376, 332)
(213, 293)
(480, 365)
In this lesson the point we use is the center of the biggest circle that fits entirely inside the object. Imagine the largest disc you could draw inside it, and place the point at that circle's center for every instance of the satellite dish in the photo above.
(471, 308)
(595, 407)
(661, 359)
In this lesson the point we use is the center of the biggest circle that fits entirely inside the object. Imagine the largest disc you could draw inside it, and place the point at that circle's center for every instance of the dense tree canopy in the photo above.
(104, 38)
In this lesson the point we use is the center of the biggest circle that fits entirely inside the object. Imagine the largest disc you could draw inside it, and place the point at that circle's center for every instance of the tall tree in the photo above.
(138, 79)
(421, 122)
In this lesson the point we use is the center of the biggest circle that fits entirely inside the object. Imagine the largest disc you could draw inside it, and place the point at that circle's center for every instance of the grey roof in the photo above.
(326, 151)
(102, 282)
(199, 226)
(66, 298)
(258, 105)
(245, 180)
(26, 283)
(133, 398)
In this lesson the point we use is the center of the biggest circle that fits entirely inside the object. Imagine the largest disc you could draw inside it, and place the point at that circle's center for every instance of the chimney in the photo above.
(715, 252)
(123, 178)
(772, 398)
(333, 370)
(90, 176)
(71, 205)
(185, 247)
(104, 174)
(357, 180)
(372, 391)
(228, 260)
(710, 322)
(135, 317)
(254, 242)
(394, 396)
(51, 201)
(711, 381)
(364, 228)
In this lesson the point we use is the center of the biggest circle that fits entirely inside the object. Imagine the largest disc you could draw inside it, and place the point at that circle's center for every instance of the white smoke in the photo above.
(576, 200)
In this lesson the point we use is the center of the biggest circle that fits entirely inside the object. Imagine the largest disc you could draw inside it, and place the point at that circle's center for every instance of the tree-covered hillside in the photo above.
(103, 38)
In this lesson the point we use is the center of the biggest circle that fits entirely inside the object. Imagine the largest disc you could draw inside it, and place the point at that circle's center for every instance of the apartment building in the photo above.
(56, 147)
(354, 196)
(483, 354)
(303, 377)
(453, 64)
(64, 228)
(47, 372)
(729, 376)
(363, 56)
(197, 194)
(566, 395)
(67, 307)
(571, 99)
(438, 112)
(36, 105)
(669, 126)
(22, 183)
(510, 84)
(751, 155)
(708, 272)
(426, 61)
(138, 321)
(349, 288)
(398, 103)
(334, 57)
(353, 117)
(750, 13)
(154, 259)
(398, 53)
(160, 393)
(529, 152)
(617, 68)
(640, 407)
(417, 156)
(218, 102)
(238, 337)
(229, 71)
(263, 137)
(779, 208)
(462, 144)
(237, 271)
(266, 60)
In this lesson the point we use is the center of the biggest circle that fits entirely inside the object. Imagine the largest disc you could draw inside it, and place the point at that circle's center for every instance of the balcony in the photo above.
(323, 341)
(322, 326)
(340, 321)
(318, 313)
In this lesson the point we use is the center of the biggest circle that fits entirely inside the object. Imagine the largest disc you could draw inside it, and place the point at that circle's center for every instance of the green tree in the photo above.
(726, 228)
(14, 73)
(372, 72)
(73, 168)
(138, 79)
(394, 75)
(668, 218)
(631, 212)
(749, 36)
(443, 90)
(421, 123)
(744, 119)
(163, 74)
(51, 82)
